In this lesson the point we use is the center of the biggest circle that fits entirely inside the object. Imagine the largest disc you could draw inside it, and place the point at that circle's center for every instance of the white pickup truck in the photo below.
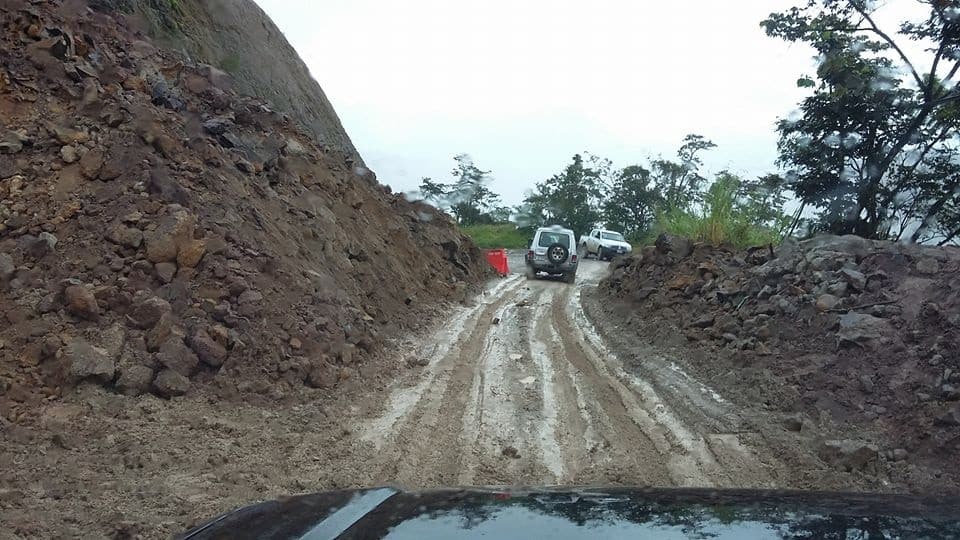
(604, 244)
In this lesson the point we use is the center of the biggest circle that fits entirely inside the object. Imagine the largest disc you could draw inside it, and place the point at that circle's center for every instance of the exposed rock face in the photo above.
(238, 38)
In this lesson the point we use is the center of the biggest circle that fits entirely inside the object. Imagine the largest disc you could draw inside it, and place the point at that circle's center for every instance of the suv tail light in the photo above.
(530, 254)
(573, 258)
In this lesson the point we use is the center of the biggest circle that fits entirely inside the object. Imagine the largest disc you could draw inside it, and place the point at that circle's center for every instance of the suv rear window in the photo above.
(550, 238)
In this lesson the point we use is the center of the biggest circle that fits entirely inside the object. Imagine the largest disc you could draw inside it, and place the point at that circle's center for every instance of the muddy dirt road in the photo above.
(540, 398)
(544, 397)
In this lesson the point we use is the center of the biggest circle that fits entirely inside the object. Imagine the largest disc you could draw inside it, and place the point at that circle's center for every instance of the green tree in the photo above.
(569, 198)
(632, 202)
(433, 192)
(876, 154)
(467, 198)
(732, 211)
(761, 202)
(470, 198)
(680, 182)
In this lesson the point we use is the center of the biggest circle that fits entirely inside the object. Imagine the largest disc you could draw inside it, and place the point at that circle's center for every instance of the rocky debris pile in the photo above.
(841, 331)
(157, 230)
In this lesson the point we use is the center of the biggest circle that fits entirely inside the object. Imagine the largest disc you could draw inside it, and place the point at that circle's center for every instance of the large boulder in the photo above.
(849, 455)
(169, 383)
(175, 355)
(208, 349)
(173, 232)
(86, 362)
(849, 244)
(135, 380)
(147, 310)
(861, 328)
(80, 301)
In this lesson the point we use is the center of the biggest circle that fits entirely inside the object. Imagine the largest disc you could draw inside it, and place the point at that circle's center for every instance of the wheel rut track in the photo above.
(541, 399)
(431, 432)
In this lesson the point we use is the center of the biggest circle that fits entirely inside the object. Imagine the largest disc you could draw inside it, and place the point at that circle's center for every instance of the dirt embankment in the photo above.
(854, 342)
(158, 230)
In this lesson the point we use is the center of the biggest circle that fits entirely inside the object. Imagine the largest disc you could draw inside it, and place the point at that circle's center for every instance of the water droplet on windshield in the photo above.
(832, 140)
(852, 140)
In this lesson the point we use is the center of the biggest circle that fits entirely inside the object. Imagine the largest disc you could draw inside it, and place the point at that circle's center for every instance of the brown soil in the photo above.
(842, 338)
(160, 233)
(539, 398)
(201, 308)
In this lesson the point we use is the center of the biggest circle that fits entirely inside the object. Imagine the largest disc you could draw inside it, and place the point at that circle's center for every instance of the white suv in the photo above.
(604, 244)
(553, 251)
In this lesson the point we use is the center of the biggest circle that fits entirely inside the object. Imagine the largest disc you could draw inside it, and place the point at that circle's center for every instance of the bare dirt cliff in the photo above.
(159, 230)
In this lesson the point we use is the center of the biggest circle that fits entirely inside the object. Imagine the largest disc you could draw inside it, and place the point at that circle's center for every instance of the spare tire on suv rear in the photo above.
(557, 253)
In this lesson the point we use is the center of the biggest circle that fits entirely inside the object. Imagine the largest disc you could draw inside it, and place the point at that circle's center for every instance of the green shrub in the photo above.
(503, 235)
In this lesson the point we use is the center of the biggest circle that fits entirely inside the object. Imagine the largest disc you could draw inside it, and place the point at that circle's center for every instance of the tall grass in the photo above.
(720, 221)
(505, 235)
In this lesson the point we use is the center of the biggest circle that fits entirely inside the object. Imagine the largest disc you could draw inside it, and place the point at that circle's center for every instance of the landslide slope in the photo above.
(854, 343)
(238, 37)
(158, 230)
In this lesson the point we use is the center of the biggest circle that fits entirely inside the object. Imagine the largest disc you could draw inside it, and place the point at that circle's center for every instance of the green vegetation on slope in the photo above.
(733, 212)
(505, 235)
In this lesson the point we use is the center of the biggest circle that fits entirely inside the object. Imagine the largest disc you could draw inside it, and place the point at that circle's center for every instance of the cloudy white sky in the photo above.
(523, 85)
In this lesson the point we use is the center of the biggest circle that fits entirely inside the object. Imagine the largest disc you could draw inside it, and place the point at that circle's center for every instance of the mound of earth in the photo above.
(841, 335)
(159, 230)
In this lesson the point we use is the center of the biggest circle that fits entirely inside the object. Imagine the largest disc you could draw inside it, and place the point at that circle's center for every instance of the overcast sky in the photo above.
(521, 86)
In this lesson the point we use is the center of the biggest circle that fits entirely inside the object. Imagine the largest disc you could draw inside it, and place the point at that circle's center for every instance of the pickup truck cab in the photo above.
(604, 243)
(553, 250)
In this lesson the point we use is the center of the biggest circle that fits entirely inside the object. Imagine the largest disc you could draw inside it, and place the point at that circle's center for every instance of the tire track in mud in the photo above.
(539, 399)
(635, 445)
(421, 439)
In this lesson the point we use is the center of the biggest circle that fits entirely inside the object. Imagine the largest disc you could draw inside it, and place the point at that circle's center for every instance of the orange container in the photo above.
(498, 259)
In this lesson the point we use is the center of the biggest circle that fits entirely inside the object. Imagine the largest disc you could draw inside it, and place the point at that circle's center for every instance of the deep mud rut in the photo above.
(539, 398)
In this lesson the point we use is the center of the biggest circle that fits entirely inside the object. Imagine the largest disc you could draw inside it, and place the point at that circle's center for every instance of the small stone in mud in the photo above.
(69, 154)
(793, 423)
(496, 320)
(166, 271)
(826, 302)
(418, 361)
(516, 357)
(511, 452)
(81, 302)
(169, 383)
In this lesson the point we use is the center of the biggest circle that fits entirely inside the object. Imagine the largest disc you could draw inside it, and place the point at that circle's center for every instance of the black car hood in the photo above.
(561, 514)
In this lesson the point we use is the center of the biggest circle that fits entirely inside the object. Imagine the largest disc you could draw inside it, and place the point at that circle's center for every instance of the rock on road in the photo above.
(540, 398)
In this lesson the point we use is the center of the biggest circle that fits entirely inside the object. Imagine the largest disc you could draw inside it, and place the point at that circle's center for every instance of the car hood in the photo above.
(588, 513)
